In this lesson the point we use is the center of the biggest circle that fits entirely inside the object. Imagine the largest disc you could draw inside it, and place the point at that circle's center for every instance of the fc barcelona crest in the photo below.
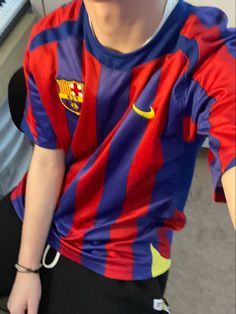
(71, 94)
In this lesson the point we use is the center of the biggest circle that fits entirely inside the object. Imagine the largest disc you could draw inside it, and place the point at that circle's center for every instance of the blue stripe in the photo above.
(215, 166)
(197, 105)
(68, 28)
(122, 150)
(217, 183)
(70, 68)
(172, 149)
(19, 204)
(72, 120)
(187, 165)
(141, 248)
(64, 215)
(157, 242)
(69, 158)
(212, 16)
(161, 207)
(24, 125)
(55, 34)
(190, 49)
(45, 133)
(173, 145)
(112, 99)
(53, 239)
(231, 164)
(229, 36)
(70, 59)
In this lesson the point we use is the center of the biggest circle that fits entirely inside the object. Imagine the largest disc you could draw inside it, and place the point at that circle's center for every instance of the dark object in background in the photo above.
(17, 97)
(13, 11)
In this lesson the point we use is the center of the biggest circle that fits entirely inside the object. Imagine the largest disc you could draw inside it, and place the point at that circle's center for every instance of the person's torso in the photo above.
(128, 137)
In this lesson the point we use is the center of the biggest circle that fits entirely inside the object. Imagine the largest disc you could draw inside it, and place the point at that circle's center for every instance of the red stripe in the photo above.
(86, 204)
(68, 12)
(176, 223)
(139, 192)
(163, 242)
(86, 130)
(20, 189)
(49, 92)
(189, 129)
(178, 63)
(219, 196)
(216, 76)
(190, 28)
(87, 195)
(124, 230)
(210, 158)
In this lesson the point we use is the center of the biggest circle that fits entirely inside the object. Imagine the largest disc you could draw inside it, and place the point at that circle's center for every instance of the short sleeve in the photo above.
(211, 95)
(36, 123)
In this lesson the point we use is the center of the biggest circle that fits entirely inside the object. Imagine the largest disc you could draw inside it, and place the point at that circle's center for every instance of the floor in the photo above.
(202, 278)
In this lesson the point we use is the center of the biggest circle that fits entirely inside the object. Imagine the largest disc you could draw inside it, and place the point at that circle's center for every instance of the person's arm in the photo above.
(210, 101)
(43, 187)
(229, 185)
(42, 191)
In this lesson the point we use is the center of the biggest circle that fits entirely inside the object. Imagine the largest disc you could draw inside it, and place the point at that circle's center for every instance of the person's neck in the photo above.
(124, 25)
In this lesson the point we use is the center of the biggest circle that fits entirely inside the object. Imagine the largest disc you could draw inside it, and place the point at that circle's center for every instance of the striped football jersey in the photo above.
(130, 126)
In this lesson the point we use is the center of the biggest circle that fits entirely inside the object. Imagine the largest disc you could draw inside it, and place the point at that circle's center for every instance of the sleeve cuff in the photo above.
(218, 192)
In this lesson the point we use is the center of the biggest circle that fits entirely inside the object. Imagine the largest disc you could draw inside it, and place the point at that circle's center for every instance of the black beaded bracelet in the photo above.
(23, 269)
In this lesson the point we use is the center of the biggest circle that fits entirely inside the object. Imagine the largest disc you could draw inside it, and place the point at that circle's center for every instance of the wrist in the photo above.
(24, 269)
(28, 262)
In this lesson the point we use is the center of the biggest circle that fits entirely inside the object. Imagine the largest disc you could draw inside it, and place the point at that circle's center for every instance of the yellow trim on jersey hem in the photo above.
(159, 264)
(157, 271)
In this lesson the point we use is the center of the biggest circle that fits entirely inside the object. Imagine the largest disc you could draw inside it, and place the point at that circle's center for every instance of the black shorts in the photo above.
(69, 288)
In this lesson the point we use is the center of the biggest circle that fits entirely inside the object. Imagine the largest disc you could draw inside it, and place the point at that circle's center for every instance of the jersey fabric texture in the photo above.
(131, 126)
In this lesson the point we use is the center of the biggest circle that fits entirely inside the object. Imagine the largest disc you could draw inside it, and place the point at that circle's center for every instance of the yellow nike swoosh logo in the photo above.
(145, 114)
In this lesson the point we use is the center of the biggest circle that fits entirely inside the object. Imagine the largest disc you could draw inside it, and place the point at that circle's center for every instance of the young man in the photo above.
(117, 119)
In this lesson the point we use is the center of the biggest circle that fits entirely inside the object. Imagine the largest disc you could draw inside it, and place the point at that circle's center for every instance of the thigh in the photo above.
(69, 288)
(146, 296)
(10, 234)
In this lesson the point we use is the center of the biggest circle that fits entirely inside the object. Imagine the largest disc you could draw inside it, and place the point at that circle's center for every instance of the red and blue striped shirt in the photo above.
(131, 126)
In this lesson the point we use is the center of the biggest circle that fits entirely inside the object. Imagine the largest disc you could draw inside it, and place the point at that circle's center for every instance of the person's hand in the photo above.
(25, 294)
